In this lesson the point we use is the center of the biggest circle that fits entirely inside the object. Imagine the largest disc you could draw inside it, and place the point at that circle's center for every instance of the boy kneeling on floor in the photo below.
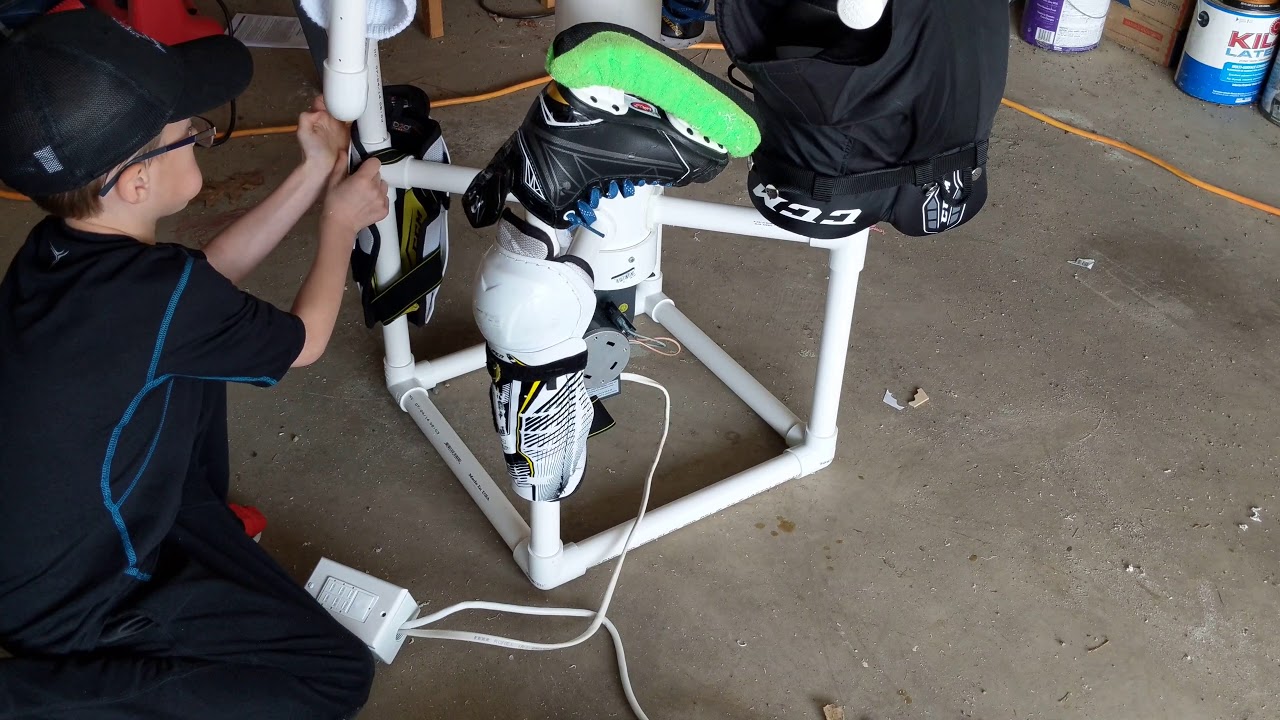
(128, 587)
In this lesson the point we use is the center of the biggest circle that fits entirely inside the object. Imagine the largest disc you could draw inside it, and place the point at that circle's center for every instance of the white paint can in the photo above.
(1064, 25)
(1228, 52)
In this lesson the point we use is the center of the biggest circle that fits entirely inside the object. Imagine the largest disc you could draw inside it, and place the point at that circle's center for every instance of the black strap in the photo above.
(386, 156)
(736, 81)
(396, 299)
(506, 371)
(826, 187)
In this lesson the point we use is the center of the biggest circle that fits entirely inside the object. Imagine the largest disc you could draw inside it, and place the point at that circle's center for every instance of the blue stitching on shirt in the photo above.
(168, 317)
(155, 440)
(112, 505)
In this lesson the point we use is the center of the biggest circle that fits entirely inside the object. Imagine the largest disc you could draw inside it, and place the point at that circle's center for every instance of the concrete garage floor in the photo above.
(1054, 535)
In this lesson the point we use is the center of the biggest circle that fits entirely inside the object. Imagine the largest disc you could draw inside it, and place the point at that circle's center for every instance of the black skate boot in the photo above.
(575, 148)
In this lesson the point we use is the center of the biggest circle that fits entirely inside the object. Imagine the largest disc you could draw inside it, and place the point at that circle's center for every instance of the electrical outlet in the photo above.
(372, 609)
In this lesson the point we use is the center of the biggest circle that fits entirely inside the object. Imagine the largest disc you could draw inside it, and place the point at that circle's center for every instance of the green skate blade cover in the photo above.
(608, 55)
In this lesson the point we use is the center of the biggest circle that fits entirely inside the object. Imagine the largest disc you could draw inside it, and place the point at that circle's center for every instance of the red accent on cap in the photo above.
(66, 5)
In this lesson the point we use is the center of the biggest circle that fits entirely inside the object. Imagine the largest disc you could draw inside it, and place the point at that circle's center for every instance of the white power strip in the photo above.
(372, 609)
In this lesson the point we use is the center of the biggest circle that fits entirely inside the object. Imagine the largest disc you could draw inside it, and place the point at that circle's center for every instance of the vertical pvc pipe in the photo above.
(372, 125)
(845, 264)
(344, 68)
(586, 247)
(372, 122)
(641, 15)
(544, 528)
(645, 17)
(544, 517)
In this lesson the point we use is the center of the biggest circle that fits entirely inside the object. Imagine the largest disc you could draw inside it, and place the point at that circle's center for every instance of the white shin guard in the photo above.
(533, 310)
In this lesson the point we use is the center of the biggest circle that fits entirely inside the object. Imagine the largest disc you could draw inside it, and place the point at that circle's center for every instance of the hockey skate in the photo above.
(608, 125)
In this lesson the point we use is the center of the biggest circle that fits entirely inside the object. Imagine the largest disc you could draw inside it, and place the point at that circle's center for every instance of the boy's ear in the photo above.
(134, 185)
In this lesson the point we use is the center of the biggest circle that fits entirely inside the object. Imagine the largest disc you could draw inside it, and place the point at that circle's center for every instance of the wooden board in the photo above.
(432, 17)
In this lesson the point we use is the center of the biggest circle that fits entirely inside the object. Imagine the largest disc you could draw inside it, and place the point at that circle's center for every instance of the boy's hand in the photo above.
(322, 137)
(356, 201)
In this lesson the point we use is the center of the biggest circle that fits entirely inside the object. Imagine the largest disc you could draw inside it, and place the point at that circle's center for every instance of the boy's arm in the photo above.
(215, 331)
(238, 249)
(350, 204)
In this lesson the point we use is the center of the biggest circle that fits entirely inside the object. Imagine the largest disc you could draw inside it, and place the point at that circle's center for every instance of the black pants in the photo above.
(220, 631)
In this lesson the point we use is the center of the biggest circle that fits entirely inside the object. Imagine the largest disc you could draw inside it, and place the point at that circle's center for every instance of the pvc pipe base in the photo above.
(352, 95)
(550, 572)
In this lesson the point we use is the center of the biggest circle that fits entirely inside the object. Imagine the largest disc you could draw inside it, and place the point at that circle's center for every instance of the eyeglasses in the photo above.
(201, 132)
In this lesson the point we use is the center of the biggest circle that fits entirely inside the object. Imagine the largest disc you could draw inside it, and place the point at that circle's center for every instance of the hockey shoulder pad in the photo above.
(889, 124)
(421, 217)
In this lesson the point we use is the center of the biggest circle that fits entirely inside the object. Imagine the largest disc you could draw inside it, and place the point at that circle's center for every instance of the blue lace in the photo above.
(686, 11)
(585, 215)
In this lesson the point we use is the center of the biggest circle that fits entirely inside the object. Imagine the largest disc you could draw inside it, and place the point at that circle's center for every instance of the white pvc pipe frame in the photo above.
(537, 544)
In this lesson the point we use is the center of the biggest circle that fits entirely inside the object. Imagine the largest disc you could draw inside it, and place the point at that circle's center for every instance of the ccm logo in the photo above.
(782, 206)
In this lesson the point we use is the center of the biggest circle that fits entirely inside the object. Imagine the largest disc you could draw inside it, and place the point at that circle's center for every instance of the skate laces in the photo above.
(686, 11)
(585, 214)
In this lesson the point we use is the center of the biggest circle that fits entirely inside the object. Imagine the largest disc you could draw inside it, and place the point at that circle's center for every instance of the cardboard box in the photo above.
(1159, 43)
(1170, 13)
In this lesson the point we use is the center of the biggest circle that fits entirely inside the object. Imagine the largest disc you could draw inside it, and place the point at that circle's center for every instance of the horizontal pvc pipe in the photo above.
(693, 214)
(687, 510)
(433, 372)
(718, 217)
(756, 396)
(495, 506)
(411, 173)
(842, 287)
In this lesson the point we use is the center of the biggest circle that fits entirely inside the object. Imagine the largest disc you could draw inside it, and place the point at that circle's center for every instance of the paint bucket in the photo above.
(1269, 99)
(1228, 51)
(1064, 25)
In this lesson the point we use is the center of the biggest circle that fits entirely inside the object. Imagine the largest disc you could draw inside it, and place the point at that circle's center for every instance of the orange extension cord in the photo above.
(539, 82)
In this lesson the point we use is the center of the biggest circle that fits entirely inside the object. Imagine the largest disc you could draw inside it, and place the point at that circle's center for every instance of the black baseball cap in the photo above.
(82, 93)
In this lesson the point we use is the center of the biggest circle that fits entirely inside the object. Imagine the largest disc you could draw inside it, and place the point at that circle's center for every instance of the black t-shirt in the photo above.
(114, 356)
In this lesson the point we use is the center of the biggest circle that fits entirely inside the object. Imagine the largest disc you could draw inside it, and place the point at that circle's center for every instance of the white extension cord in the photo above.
(599, 618)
